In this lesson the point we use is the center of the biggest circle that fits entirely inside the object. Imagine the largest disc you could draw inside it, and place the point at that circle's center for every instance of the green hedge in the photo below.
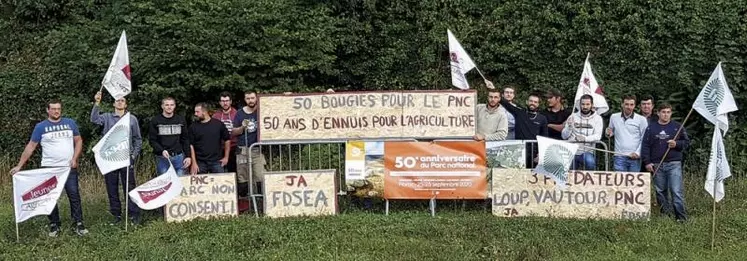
(193, 49)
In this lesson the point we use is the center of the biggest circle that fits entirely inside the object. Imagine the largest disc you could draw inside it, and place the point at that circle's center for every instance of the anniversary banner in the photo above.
(590, 194)
(445, 170)
(359, 115)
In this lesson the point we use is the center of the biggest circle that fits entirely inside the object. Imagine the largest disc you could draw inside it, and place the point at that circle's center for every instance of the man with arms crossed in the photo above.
(659, 137)
(584, 126)
(492, 124)
(206, 138)
(61, 146)
(628, 128)
(112, 179)
(168, 136)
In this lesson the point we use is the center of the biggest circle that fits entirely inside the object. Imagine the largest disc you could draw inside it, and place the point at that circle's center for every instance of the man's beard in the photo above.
(585, 111)
(251, 105)
(226, 107)
(492, 105)
(532, 108)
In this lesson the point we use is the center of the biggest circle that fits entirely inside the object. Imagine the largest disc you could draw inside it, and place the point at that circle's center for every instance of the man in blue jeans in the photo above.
(660, 137)
(112, 179)
(61, 147)
(168, 136)
(584, 127)
(628, 128)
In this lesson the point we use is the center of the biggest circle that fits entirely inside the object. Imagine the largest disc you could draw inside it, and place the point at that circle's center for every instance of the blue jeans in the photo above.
(626, 164)
(668, 179)
(112, 180)
(210, 167)
(584, 161)
(73, 194)
(162, 164)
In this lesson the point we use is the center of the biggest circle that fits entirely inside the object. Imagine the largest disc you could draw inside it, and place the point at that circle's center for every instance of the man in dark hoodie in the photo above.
(168, 136)
(661, 136)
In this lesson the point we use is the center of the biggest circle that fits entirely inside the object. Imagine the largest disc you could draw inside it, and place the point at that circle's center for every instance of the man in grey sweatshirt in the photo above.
(492, 124)
(628, 128)
(112, 179)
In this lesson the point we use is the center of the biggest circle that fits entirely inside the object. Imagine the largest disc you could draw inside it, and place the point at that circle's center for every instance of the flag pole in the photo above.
(675, 139)
(713, 227)
(127, 173)
(18, 236)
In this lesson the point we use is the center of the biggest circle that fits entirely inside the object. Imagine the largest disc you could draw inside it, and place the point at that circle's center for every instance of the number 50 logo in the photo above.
(405, 162)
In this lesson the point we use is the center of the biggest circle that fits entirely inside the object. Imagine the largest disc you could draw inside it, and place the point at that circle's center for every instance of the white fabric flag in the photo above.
(718, 168)
(715, 100)
(112, 152)
(35, 192)
(117, 80)
(158, 191)
(589, 85)
(460, 61)
(555, 158)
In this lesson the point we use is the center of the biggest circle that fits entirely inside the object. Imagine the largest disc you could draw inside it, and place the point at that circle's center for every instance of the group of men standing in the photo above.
(643, 142)
(214, 143)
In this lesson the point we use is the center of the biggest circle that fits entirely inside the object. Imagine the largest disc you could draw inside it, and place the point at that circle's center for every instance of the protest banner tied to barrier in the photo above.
(204, 196)
(589, 194)
(360, 115)
(443, 170)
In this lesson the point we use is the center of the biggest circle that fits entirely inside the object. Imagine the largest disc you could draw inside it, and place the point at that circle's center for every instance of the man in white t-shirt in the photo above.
(61, 147)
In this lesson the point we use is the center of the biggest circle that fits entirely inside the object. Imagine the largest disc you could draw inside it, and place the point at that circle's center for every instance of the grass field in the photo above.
(408, 233)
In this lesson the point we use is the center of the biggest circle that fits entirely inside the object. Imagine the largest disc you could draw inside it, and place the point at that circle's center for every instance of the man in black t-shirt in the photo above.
(207, 136)
(555, 113)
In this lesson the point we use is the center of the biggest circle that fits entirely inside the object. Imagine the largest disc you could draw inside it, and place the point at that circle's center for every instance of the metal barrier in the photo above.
(330, 154)
(299, 155)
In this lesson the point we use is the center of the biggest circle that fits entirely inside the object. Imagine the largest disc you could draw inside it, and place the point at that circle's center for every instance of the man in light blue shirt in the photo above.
(628, 128)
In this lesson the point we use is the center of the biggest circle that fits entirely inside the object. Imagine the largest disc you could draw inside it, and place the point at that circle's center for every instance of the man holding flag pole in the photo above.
(117, 151)
(125, 175)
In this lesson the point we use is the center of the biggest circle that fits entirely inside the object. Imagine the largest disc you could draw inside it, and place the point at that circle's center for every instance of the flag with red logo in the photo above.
(35, 192)
(460, 62)
(588, 85)
(117, 78)
(158, 191)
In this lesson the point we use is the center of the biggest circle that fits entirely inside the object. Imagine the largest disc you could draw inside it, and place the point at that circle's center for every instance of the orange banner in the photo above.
(446, 170)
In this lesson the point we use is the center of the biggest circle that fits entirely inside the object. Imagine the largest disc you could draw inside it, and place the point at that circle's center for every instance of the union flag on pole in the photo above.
(117, 80)
(588, 85)
(460, 62)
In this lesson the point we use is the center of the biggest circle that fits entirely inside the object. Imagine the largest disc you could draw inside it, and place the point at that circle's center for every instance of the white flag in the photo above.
(158, 191)
(112, 152)
(718, 168)
(715, 100)
(117, 80)
(35, 192)
(588, 85)
(555, 158)
(460, 61)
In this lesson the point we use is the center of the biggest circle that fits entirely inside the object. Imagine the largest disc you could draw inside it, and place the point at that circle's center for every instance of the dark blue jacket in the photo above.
(654, 143)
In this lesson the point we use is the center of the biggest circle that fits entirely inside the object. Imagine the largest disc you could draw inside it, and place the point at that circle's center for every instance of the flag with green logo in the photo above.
(112, 152)
(715, 100)
(554, 159)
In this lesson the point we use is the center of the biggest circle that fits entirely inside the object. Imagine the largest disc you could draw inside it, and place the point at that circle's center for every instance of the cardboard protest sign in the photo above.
(204, 196)
(588, 194)
(300, 193)
(358, 115)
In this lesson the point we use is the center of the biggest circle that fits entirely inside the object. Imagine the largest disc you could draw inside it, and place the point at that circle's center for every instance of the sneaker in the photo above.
(135, 220)
(681, 220)
(54, 230)
(80, 229)
(115, 221)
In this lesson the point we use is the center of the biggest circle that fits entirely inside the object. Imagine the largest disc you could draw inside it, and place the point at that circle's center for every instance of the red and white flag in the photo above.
(35, 192)
(117, 80)
(460, 62)
(158, 191)
(589, 85)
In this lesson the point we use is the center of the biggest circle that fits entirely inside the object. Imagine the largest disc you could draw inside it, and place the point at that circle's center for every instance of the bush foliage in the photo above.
(194, 49)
